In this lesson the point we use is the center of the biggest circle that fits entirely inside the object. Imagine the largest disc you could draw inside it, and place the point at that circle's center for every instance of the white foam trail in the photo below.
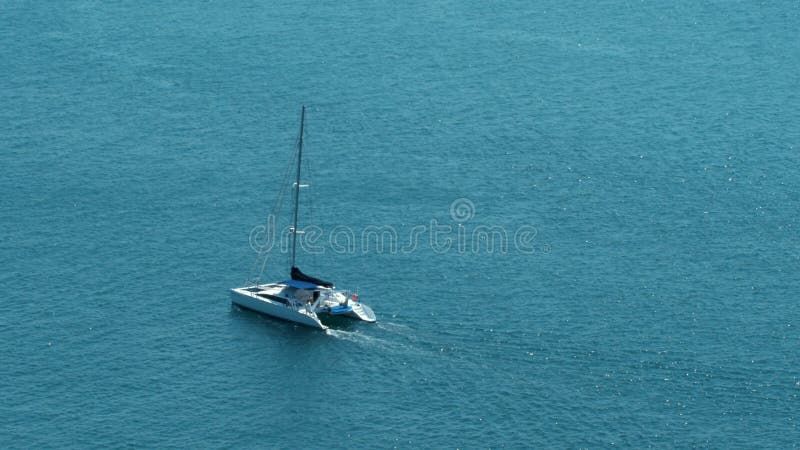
(367, 340)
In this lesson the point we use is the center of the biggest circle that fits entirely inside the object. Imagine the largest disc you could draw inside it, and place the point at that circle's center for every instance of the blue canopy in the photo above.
(300, 284)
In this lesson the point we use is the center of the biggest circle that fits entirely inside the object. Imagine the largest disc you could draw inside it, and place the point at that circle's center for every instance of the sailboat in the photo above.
(302, 298)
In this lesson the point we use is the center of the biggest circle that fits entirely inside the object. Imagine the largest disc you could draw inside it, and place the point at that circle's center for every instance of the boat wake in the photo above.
(367, 340)
(397, 328)
(396, 338)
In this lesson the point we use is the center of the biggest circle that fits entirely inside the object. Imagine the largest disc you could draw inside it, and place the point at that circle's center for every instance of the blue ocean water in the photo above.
(649, 148)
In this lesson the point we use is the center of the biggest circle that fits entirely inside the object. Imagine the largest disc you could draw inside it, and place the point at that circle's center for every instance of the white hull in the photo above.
(362, 312)
(250, 300)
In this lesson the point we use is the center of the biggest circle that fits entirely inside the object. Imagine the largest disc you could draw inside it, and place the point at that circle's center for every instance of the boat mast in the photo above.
(297, 183)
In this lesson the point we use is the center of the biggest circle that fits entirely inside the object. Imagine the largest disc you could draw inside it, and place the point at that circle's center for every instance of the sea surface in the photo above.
(588, 211)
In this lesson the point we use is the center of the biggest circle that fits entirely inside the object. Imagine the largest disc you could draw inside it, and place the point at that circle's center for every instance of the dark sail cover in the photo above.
(300, 276)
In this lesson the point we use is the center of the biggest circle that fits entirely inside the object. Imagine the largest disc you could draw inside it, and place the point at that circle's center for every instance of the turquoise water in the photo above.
(651, 149)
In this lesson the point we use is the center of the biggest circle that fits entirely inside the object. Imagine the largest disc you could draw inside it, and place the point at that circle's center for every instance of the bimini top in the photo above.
(301, 284)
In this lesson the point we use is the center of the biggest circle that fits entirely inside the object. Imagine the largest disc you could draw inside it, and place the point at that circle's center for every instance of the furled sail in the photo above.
(300, 276)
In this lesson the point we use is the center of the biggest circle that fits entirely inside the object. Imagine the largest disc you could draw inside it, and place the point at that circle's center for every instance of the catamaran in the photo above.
(302, 298)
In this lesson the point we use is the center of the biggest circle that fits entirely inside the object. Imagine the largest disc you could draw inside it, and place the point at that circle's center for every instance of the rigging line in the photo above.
(290, 171)
(297, 184)
(274, 212)
(279, 206)
(310, 198)
(285, 185)
(310, 177)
